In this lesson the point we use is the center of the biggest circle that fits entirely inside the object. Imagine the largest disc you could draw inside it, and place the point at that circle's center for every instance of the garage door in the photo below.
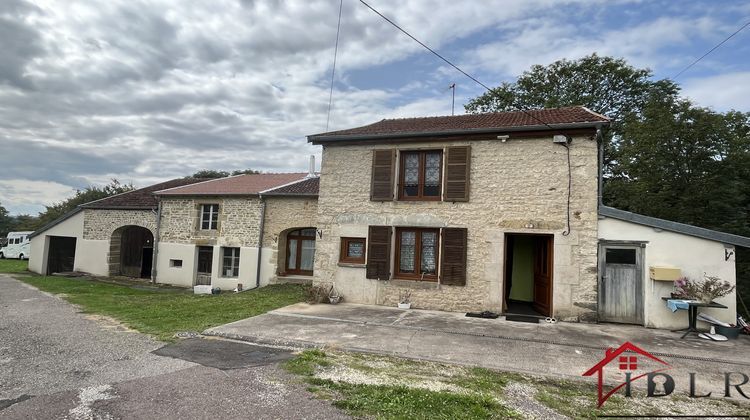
(62, 254)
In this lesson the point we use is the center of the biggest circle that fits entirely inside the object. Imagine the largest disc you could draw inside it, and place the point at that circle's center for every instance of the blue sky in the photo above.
(148, 90)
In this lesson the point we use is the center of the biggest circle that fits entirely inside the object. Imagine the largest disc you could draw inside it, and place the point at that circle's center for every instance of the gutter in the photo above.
(600, 141)
(318, 139)
(154, 258)
(260, 239)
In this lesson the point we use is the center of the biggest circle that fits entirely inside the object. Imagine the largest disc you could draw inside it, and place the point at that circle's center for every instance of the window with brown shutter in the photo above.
(383, 173)
(457, 169)
(420, 175)
(417, 253)
(379, 253)
(453, 252)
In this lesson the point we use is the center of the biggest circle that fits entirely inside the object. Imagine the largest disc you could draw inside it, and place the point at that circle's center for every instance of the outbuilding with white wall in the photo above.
(640, 256)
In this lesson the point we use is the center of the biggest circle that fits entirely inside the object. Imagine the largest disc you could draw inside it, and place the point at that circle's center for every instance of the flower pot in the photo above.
(404, 305)
(334, 299)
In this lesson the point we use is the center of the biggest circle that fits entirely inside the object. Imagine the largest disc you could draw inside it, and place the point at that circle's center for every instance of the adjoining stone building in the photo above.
(210, 232)
(494, 212)
(109, 237)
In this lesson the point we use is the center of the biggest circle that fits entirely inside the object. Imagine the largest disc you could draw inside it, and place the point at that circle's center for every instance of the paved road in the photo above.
(58, 363)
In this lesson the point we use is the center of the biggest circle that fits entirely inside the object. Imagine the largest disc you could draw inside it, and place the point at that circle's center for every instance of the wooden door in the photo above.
(543, 275)
(621, 284)
(205, 265)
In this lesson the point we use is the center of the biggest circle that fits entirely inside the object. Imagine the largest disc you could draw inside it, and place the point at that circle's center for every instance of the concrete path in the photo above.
(58, 363)
(562, 349)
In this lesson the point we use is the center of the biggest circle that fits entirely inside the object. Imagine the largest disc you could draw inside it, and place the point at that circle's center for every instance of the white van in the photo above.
(19, 246)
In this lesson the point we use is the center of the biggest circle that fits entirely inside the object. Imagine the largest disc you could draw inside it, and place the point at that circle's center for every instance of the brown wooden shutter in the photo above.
(457, 162)
(453, 250)
(383, 173)
(379, 253)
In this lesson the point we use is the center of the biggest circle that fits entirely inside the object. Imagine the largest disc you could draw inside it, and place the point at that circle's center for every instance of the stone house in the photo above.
(190, 232)
(109, 237)
(238, 232)
(492, 212)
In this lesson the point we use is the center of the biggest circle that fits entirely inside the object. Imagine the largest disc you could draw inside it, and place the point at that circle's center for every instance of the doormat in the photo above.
(485, 314)
(522, 318)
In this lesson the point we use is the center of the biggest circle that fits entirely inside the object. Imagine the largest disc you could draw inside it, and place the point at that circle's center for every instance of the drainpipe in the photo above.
(156, 241)
(600, 142)
(260, 239)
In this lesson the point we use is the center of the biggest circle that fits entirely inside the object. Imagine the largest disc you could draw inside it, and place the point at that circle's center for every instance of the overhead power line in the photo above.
(446, 60)
(711, 50)
(333, 71)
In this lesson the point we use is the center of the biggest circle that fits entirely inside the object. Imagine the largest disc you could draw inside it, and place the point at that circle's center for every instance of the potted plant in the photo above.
(404, 299)
(334, 296)
(706, 290)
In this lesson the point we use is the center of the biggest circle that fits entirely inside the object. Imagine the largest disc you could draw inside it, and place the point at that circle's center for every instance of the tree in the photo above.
(684, 163)
(213, 174)
(606, 85)
(210, 174)
(6, 222)
(86, 195)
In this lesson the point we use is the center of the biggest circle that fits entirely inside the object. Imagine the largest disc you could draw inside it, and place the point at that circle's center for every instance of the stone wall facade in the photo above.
(239, 221)
(284, 214)
(519, 186)
(101, 224)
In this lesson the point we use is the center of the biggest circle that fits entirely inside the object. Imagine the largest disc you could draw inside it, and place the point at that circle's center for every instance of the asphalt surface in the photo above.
(56, 362)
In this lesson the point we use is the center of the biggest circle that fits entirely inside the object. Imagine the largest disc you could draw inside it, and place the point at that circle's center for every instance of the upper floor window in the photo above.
(421, 175)
(210, 216)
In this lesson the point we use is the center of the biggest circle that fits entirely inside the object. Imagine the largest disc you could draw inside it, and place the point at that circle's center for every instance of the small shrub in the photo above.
(317, 294)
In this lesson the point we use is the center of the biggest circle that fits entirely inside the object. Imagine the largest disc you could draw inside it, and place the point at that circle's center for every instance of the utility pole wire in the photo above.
(333, 71)
(711, 50)
(448, 61)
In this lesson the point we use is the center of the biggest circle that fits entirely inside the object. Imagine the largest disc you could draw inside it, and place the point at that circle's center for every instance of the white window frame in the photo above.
(213, 210)
(234, 261)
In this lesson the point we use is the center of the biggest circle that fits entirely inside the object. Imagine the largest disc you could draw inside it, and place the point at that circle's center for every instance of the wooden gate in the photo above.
(621, 282)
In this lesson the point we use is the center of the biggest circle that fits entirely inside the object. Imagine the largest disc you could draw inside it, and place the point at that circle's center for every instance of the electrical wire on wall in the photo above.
(566, 232)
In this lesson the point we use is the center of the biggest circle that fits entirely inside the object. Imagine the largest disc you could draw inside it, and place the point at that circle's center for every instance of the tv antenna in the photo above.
(452, 87)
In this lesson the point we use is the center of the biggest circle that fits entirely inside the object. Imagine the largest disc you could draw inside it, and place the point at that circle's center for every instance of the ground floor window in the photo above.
(352, 250)
(417, 253)
(231, 263)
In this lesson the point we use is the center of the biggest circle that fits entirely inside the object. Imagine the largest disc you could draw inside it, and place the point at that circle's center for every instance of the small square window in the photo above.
(175, 263)
(352, 250)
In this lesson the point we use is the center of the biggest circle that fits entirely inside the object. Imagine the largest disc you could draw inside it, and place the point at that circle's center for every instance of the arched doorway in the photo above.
(300, 252)
(131, 251)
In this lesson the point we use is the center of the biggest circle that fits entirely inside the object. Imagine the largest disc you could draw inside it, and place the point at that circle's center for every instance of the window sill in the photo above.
(415, 284)
(352, 265)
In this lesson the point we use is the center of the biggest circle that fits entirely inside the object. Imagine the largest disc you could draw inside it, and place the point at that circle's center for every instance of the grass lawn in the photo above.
(164, 311)
(13, 266)
(392, 388)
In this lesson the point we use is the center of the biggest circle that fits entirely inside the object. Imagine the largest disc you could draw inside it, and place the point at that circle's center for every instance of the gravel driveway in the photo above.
(56, 362)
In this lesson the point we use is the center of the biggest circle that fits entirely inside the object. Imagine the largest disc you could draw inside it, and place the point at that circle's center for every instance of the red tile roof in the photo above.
(250, 184)
(139, 199)
(403, 127)
(306, 187)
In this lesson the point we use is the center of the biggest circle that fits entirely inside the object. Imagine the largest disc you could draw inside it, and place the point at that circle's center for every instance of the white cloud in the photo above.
(722, 92)
(23, 196)
(149, 90)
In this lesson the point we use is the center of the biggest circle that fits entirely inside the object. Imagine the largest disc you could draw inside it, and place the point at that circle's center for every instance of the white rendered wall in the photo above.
(694, 256)
(188, 253)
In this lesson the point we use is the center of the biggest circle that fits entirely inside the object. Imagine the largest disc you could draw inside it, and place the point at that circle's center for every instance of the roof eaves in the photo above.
(322, 138)
(713, 235)
(56, 222)
(305, 178)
